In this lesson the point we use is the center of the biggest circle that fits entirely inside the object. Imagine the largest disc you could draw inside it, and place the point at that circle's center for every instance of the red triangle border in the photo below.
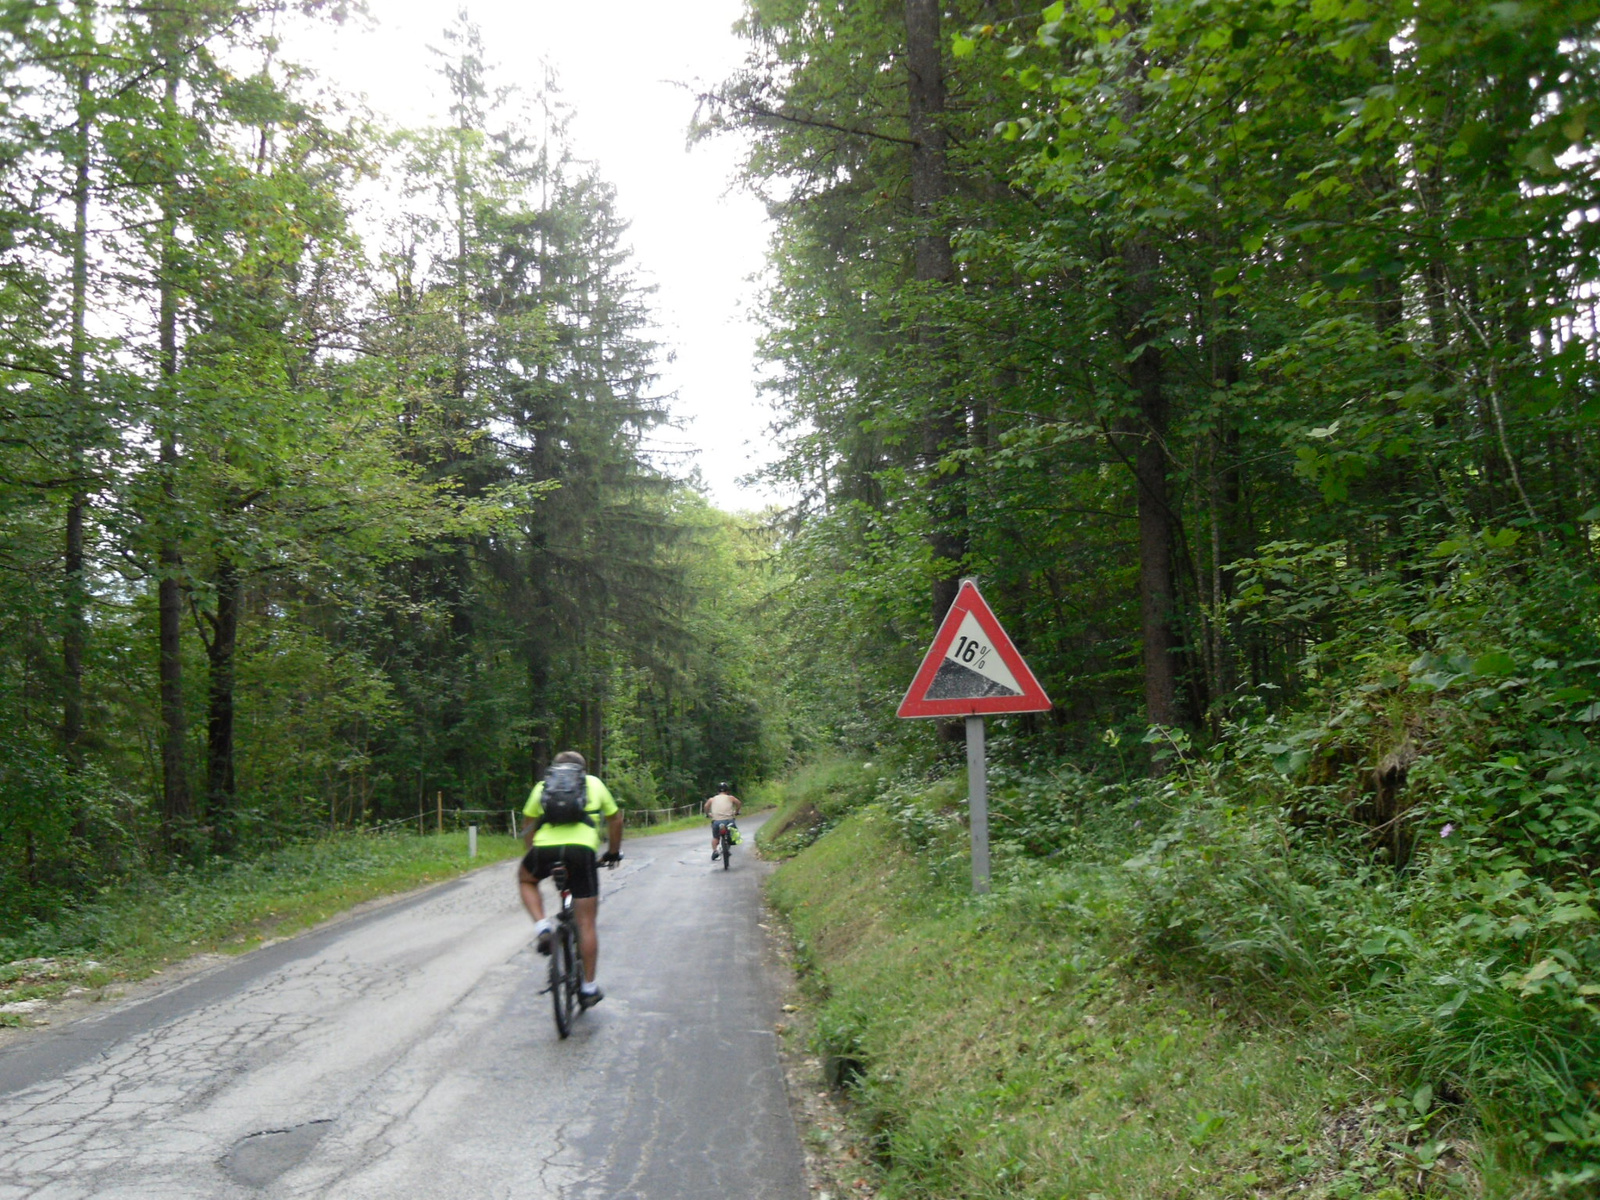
(916, 702)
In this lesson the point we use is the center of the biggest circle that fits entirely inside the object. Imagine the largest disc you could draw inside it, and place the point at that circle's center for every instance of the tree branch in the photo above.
(753, 110)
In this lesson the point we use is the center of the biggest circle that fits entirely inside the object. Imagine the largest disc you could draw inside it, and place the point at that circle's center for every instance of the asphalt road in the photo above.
(408, 1053)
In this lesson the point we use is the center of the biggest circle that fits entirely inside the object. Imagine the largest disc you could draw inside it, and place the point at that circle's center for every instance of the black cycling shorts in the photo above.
(583, 869)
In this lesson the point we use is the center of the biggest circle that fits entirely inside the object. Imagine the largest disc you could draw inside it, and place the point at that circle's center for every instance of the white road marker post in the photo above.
(472, 841)
(978, 804)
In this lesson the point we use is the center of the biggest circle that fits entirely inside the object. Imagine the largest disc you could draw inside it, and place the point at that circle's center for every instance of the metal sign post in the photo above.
(972, 669)
(978, 804)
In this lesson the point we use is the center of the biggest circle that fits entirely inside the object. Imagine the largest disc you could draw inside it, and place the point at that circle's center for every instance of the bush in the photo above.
(1424, 857)
(62, 833)
(1412, 854)
(819, 795)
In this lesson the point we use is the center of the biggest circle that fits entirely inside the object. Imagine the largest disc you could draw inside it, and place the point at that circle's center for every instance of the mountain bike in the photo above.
(723, 836)
(566, 957)
(566, 952)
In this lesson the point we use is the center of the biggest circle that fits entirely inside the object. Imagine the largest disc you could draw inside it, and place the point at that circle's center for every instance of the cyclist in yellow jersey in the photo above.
(578, 846)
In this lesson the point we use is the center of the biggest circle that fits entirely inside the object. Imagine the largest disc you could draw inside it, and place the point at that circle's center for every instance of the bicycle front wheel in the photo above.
(565, 976)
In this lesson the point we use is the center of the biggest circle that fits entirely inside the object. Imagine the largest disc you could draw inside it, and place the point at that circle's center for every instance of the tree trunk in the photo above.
(176, 806)
(1140, 263)
(221, 790)
(74, 629)
(929, 180)
(1155, 529)
(945, 426)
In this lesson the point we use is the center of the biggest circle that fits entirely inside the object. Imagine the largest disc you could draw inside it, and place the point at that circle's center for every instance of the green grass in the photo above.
(814, 799)
(128, 933)
(1012, 1046)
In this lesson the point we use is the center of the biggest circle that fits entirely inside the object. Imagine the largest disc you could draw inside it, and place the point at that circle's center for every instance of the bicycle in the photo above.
(566, 956)
(723, 838)
(566, 953)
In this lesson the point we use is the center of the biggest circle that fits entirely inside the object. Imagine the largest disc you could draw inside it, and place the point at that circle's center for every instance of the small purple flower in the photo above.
(1447, 831)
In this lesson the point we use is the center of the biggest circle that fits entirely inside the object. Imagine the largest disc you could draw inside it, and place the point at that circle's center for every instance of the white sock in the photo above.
(588, 989)
(543, 925)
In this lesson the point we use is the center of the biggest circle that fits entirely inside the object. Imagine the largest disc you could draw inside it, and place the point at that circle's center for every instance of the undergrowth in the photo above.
(818, 795)
(1392, 885)
(1014, 1047)
(1439, 1014)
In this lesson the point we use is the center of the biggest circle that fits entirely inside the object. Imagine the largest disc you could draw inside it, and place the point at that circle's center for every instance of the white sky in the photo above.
(695, 236)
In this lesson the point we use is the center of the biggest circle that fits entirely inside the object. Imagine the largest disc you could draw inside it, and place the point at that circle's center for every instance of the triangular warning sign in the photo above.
(972, 668)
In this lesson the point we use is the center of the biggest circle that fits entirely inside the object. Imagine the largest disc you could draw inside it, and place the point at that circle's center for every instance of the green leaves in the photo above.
(1494, 663)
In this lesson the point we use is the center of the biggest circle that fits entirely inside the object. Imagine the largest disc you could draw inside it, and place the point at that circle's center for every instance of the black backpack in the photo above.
(565, 798)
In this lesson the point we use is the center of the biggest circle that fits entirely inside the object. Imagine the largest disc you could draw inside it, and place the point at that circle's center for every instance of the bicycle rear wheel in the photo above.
(565, 976)
(727, 850)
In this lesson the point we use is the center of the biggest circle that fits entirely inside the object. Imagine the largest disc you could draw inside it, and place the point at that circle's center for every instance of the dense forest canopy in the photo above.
(1245, 350)
(1199, 330)
(327, 484)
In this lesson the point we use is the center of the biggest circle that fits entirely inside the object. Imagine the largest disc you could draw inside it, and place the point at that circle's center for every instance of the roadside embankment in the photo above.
(1041, 1042)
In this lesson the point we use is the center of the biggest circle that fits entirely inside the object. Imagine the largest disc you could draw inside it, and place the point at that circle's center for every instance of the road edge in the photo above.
(836, 1159)
(63, 1012)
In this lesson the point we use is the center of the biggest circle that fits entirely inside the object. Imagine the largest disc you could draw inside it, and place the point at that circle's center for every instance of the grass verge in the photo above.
(1011, 1046)
(692, 821)
(127, 934)
(814, 799)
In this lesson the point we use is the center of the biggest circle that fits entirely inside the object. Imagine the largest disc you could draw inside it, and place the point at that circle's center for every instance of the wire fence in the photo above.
(493, 820)
(489, 820)
(388, 826)
(645, 817)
